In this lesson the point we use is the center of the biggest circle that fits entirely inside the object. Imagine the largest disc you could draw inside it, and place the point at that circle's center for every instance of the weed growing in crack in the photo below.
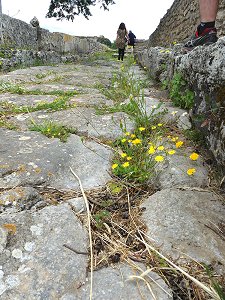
(60, 103)
(8, 87)
(179, 93)
(123, 84)
(53, 130)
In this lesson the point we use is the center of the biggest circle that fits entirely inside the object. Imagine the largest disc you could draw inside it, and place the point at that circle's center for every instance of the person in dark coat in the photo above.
(131, 40)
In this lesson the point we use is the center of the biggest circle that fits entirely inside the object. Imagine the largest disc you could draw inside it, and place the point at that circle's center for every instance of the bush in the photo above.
(101, 39)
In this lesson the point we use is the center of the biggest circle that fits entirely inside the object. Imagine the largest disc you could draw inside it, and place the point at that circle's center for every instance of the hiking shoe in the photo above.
(207, 37)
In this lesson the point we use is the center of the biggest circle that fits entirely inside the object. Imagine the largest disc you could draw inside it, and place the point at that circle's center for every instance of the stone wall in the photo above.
(180, 22)
(20, 35)
(203, 69)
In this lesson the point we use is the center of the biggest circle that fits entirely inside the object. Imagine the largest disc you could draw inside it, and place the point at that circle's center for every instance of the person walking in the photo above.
(206, 32)
(121, 40)
(131, 40)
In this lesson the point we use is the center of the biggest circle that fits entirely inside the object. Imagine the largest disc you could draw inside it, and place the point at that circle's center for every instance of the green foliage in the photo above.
(60, 103)
(101, 217)
(103, 55)
(195, 136)
(101, 39)
(123, 84)
(179, 93)
(6, 124)
(17, 89)
(53, 130)
(216, 285)
(68, 9)
(11, 88)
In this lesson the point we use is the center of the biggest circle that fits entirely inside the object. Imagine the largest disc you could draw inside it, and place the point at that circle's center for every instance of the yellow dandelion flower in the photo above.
(129, 157)
(179, 144)
(171, 152)
(161, 148)
(168, 136)
(160, 124)
(191, 171)
(126, 164)
(133, 136)
(194, 156)
(174, 112)
(153, 127)
(141, 128)
(151, 150)
(173, 139)
(159, 158)
(114, 166)
(127, 133)
(129, 141)
(123, 140)
(123, 154)
(136, 141)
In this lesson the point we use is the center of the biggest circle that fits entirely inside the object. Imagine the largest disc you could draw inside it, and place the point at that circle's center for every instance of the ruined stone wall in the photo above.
(20, 35)
(180, 22)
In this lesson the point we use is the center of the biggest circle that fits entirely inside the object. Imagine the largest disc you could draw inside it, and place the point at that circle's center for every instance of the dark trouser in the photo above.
(121, 53)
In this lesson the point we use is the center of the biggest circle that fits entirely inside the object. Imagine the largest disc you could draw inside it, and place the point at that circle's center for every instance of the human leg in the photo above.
(206, 31)
(208, 10)
(119, 54)
(122, 53)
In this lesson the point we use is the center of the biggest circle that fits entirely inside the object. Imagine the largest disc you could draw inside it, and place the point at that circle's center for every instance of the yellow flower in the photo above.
(123, 140)
(133, 136)
(114, 166)
(126, 164)
(179, 144)
(153, 127)
(160, 124)
(168, 136)
(159, 158)
(141, 128)
(123, 154)
(171, 152)
(151, 150)
(194, 156)
(127, 133)
(129, 157)
(136, 141)
(174, 112)
(161, 148)
(191, 171)
(129, 141)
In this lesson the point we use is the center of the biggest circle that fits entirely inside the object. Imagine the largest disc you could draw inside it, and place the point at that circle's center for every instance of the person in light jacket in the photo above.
(121, 40)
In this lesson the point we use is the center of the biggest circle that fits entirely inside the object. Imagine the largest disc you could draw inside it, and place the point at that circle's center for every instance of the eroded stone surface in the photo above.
(35, 264)
(184, 222)
(174, 172)
(37, 160)
(113, 283)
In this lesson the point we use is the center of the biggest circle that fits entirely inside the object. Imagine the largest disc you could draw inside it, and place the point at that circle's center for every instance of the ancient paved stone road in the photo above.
(33, 262)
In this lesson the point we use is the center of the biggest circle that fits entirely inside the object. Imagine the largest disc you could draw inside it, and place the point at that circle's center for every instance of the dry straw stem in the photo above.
(89, 229)
(208, 290)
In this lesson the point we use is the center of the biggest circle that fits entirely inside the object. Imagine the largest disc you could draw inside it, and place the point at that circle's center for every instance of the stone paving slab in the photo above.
(26, 100)
(174, 172)
(32, 159)
(34, 262)
(83, 119)
(179, 222)
(113, 283)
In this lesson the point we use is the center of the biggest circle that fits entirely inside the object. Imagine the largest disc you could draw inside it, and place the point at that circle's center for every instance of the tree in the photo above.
(68, 9)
